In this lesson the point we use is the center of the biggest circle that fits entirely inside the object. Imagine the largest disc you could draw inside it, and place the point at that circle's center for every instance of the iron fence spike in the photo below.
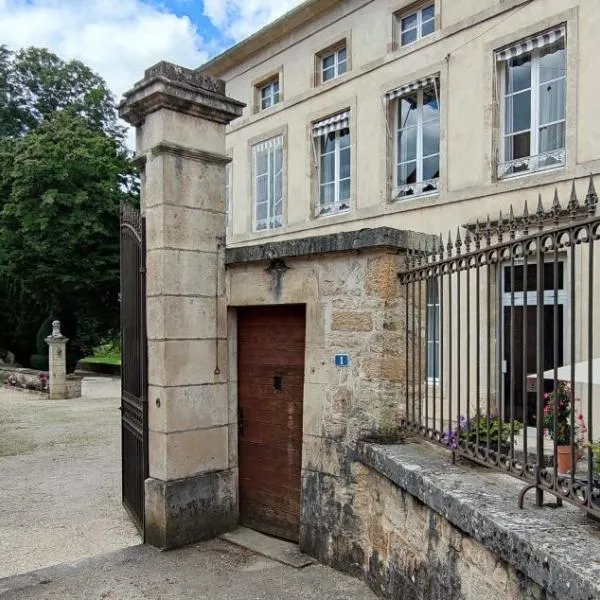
(591, 198)
(573, 201)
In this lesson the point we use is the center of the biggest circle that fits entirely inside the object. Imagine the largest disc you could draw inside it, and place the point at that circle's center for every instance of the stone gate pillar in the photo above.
(180, 118)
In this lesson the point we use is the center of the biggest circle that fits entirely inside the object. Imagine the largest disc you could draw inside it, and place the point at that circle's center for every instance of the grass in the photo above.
(112, 357)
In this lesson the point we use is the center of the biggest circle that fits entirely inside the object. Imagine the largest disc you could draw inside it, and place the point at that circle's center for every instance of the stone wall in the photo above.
(414, 525)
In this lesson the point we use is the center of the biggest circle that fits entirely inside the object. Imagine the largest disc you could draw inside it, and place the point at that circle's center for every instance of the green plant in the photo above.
(39, 360)
(557, 417)
(594, 448)
(481, 429)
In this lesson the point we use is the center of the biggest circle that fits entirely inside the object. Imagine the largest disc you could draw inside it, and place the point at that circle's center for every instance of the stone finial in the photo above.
(56, 329)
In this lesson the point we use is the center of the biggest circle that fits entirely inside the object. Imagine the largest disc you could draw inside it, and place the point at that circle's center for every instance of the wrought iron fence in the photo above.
(501, 344)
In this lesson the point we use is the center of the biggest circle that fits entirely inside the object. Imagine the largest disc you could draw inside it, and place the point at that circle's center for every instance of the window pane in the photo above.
(517, 112)
(341, 67)
(430, 105)
(278, 188)
(428, 13)
(327, 194)
(431, 167)
(552, 62)
(261, 211)
(278, 158)
(276, 98)
(329, 74)
(407, 111)
(329, 61)
(552, 137)
(432, 292)
(410, 21)
(327, 168)
(341, 54)
(431, 138)
(345, 163)
(266, 102)
(552, 101)
(518, 74)
(433, 360)
(427, 28)
(344, 138)
(275, 87)
(345, 189)
(407, 144)
(262, 161)
(517, 146)
(327, 143)
(407, 173)
(408, 37)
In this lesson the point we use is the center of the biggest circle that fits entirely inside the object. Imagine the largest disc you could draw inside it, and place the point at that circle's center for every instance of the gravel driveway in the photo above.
(60, 478)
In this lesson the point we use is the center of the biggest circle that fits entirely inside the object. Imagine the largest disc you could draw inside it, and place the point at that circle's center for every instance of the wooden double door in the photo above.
(271, 345)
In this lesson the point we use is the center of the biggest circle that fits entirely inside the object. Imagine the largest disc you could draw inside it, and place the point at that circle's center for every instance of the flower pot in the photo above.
(563, 458)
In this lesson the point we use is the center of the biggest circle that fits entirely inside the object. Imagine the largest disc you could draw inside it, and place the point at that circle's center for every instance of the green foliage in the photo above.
(493, 430)
(64, 170)
(43, 332)
(39, 362)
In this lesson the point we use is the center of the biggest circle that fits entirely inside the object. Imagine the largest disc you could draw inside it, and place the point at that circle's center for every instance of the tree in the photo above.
(64, 170)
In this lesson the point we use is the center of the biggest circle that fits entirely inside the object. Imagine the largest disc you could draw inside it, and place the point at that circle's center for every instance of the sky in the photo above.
(120, 38)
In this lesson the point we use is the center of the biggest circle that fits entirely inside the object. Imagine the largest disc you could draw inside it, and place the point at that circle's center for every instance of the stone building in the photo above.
(279, 217)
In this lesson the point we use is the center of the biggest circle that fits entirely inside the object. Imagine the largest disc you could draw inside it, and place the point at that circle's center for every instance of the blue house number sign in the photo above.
(342, 360)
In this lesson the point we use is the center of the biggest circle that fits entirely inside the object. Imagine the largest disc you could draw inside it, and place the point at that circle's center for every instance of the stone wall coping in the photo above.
(169, 86)
(558, 548)
(363, 239)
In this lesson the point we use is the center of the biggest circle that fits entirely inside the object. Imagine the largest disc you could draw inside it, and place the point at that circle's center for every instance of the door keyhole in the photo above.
(278, 382)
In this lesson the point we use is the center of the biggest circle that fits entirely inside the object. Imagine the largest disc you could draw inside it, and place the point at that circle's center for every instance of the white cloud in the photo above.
(238, 19)
(116, 38)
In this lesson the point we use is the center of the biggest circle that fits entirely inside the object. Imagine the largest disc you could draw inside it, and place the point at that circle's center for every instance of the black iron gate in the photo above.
(134, 405)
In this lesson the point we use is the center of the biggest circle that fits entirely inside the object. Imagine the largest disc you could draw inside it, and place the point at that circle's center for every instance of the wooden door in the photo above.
(270, 395)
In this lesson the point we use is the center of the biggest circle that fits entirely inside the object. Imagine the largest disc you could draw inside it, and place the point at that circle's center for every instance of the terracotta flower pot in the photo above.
(563, 457)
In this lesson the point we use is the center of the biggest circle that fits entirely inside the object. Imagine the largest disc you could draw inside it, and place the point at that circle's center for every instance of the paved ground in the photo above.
(215, 570)
(60, 478)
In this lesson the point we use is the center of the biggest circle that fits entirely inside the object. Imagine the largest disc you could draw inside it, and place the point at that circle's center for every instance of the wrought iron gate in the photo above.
(134, 405)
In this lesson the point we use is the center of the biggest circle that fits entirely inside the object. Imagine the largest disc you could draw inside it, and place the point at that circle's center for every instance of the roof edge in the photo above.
(302, 14)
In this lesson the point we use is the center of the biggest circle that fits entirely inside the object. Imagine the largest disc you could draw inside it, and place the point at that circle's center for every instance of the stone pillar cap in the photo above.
(169, 86)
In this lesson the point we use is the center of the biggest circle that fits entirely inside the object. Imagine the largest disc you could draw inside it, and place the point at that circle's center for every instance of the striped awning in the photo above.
(330, 124)
(403, 90)
(533, 43)
(275, 142)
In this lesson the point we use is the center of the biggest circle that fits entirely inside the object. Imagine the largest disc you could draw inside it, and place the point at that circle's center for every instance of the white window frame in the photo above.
(420, 184)
(338, 205)
(272, 97)
(272, 220)
(336, 63)
(419, 26)
(533, 162)
(435, 340)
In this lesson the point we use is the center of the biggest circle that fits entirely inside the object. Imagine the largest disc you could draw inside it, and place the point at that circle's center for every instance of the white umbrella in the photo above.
(581, 372)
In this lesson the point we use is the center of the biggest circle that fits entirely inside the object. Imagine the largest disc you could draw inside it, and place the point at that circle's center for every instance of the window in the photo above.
(433, 329)
(269, 94)
(332, 141)
(267, 179)
(333, 64)
(533, 104)
(416, 25)
(416, 138)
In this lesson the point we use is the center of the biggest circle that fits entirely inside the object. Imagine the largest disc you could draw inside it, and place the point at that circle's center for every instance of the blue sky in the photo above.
(120, 38)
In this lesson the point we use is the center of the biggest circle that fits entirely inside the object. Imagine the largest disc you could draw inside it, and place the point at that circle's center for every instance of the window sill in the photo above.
(333, 213)
(532, 164)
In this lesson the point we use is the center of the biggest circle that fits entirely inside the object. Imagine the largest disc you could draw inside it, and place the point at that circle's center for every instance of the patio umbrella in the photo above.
(581, 372)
